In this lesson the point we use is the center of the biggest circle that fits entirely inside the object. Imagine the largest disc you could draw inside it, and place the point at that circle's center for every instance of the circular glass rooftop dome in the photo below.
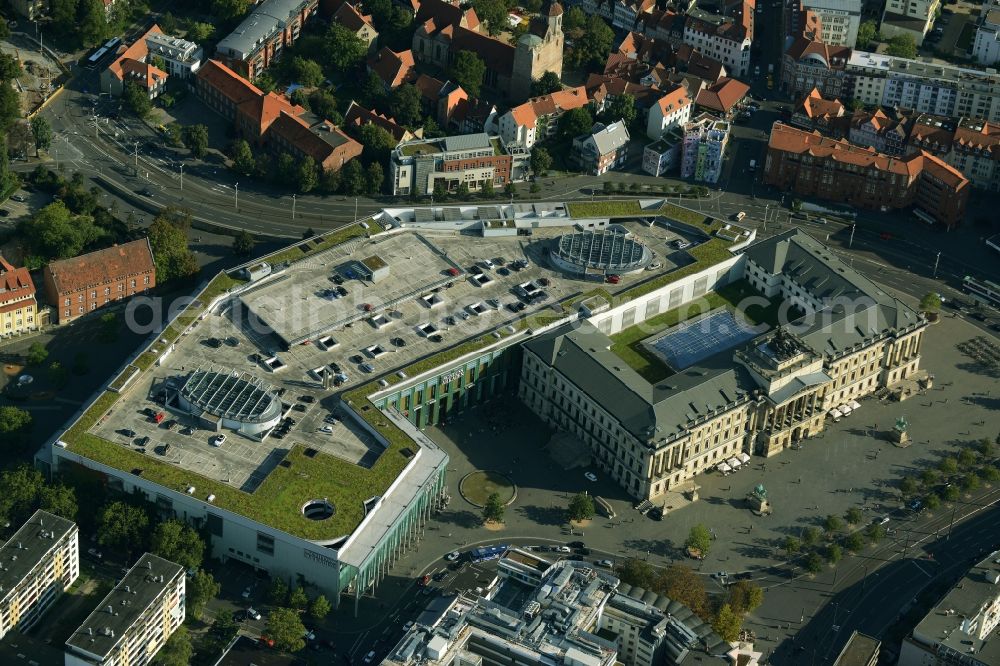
(613, 250)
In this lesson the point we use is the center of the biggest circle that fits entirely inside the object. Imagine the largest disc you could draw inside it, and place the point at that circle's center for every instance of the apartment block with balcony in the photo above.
(986, 47)
(40, 562)
(914, 18)
(704, 148)
(839, 20)
(134, 620)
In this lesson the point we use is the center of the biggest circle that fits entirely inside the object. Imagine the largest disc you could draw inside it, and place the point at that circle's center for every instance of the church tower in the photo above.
(538, 51)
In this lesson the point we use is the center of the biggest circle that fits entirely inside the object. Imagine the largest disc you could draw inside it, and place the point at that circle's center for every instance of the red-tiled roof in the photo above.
(832, 56)
(723, 95)
(231, 85)
(393, 68)
(815, 106)
(265, 109)
(17, 305)
(15, 283)
(102, 267)
(349, 17)
(136, 52)
(429, 87)
(673, 100)
(791, 140)
(445, 13)
(943, 171)
(358, 115)
(319, 143)
(148, 75)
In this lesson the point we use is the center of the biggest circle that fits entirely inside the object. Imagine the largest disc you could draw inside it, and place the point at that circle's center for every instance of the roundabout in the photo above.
(477, 486)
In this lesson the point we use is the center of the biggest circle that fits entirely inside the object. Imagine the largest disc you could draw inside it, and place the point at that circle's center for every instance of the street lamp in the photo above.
(293, 206)
(237, 199)
(181, 165)
(936, 260)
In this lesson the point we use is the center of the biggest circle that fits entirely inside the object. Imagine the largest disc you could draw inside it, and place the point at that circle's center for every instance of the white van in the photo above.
(753, 165)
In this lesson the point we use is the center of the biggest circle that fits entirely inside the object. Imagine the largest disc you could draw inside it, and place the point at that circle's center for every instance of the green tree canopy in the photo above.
(319, 608)
(42, 132)
(855, 542)
(177, 542)
(23, 490)
(345, 50)
(700, 538)
(907, 485)
(594, 45)
(122, 526)
(10, 68)
(195, 138)
(494, 510)
(469, 71)
(177, 651)
(323, 104)
(36, 354)
(306, 177)
(55, 233)
(574, 122)
(405, 105)
(15, 424)
(548, 83)
(375, 179)
(541, 161)
(854, 515)
(277, 593)
(931, 302)
(948, 465)
(93, 22)
(377, 142)
(285, 628)
(229, 9)
(833, 523)
(866, 33)
(243, 159)
(834, 553)
(243, 243)
(137, 100)
(814, 563)
(168, 239)
(792, 545)
(810, 536)
(493, 13)
(902, 46)
(574, 19)
(298, 599)
(353, 180)
(201, 588)
(682, 584)
(305, 72)
(622, 107)
(727, 624)
(581, 507)
(199, 32)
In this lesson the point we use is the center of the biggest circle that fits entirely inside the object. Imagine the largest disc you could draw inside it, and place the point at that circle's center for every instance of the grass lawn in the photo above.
(478, 486)
(627, 345)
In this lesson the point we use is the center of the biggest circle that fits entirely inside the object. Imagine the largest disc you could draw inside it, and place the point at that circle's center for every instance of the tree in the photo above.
(57, 374)
(622, 107)
(306, 177)
(201, 588)
(323, 104)
(833, 524)
(168, 239)
(372, 91)
(494, 510)
(950, 493)
(319, 608)
(277, 593)
(866, 33)
(990, 474)
(902, 46)
(810, 536)
(573, 123)
(352, 178)
(195, 137)
(42, 132)
(377, 141)
(682, 584)
(744, 597)
(699, 538)
(298, 599)
(122, 526)
(199, 32)
(462, 191)
(493, 13)
(574, 19)
(930, 303)
(581, 507)
(929, 477)
(243, 243)
(727, 624)
(10, 107)
(907, 486)
(375, 180)
(285, 169)
(510, 190)
(10, 68)
(875, 533)
(637, 573)
(285, 628)
(137, 100)
(58, 499)
(486, 191)
(547, 84)
(404, 104)
(854, 542)
(177, 651)
(792, 546)
(948, 465)
(932, 502)
(468, 70)
(854, 515)
(36, 354)
(966, 458)
(93, 22)
(306, 72)
(15, 423)
(229, 9)
(55, 233)
(243, 159)
(541, 161)
(594, 44)
(834, 553)
(345, 50)
(986, 448)
(814, 563)
(177, 542)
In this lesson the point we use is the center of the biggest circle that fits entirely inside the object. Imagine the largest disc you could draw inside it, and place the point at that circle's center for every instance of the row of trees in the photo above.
(284, 623)
(902, 46)
(680, 583)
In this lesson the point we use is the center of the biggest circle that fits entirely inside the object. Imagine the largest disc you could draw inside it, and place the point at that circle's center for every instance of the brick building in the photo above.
(264, 34)
(77, 286)
(809, 164)
(416, 167)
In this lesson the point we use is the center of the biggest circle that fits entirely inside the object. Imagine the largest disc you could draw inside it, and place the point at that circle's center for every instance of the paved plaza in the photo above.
(850, 465)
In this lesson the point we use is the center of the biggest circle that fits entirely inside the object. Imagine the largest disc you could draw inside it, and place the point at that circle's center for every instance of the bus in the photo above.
(97, 56)
(113, 43)
(484, 553)
(982, 290)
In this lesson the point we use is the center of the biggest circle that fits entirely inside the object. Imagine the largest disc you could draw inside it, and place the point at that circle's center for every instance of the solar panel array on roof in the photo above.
(423, 214)
(452, 214)
(489, 213)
